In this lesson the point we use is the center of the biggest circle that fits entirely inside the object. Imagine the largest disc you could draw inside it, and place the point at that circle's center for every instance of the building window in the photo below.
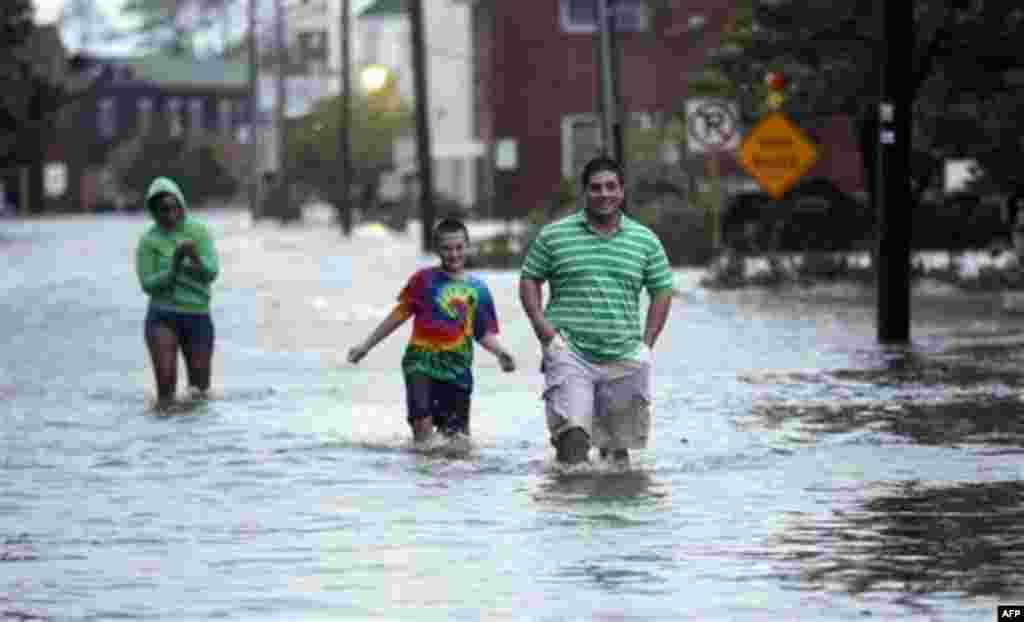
(313, 51)
(175, 124)
(580, 16)
(108, 117)
(581, 139)
(145, 115)
(226, 116)
(195, 115)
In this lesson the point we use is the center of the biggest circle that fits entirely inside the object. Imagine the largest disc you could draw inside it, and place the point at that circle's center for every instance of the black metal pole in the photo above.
(426, 168)
(606, 97)
(344, 207)
(252, 96)
(615, 66)
(893, 175)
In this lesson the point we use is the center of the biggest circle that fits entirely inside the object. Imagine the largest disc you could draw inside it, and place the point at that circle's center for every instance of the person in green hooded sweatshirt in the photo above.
(176, 263)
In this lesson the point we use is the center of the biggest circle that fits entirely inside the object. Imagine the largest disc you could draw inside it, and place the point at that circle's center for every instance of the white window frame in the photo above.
(643, 120)
(634, 9)
(175, 125)
(226, 116)
(107, 117)
(195, 115)
(144, 106)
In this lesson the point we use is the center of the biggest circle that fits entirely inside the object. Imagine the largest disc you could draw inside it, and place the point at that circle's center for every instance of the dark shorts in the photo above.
(194, 330)
(446, 403)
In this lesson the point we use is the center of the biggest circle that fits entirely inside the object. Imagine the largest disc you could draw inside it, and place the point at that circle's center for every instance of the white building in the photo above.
(381, 36)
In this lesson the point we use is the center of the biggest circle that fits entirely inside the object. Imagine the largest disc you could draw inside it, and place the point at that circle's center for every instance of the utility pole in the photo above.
(615, 63)
(253, 103)
(607, 92)
(344, 206)
(892, 178)
(283, 205)
(423, 150)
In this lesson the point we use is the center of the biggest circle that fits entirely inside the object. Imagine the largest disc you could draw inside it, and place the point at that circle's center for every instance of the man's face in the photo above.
(168, 211)
(604, 194)
(451, 247)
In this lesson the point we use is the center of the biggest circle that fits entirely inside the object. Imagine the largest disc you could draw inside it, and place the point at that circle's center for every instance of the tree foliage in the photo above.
(15, 28)
(196, 164)
(963, 51)
(175, 26)
(33, 91)
(376, 121)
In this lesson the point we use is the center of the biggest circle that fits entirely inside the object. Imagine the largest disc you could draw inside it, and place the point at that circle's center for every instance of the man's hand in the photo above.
(507, 362)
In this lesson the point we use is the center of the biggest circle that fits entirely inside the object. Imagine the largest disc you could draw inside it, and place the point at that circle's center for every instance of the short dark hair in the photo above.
(449, 225)
(598, 164)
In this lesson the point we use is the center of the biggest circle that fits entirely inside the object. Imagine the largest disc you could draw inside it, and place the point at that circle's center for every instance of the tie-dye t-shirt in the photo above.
(448, 315)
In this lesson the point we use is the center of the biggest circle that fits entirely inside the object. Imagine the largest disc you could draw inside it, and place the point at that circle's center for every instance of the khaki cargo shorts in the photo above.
(611, 402)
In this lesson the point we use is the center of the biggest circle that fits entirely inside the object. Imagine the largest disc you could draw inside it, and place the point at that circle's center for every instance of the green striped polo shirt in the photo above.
(595, 283)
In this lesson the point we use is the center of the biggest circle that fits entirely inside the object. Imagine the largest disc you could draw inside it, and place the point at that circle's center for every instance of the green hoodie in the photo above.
(188, 291)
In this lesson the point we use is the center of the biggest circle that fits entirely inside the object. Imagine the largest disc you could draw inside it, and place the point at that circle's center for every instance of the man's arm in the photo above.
(531, 296)
(657, 314)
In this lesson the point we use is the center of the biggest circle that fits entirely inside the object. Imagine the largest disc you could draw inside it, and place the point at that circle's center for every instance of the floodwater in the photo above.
(798, 469)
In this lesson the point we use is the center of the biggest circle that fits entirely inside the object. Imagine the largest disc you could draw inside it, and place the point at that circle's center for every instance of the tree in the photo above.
(15, 28)
(377, 120)
(85, 23)
(199, 165)
(964, 102)
(38, 82)
(175, 26)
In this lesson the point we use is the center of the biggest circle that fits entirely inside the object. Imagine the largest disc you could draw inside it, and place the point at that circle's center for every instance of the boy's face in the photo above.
(451, 248)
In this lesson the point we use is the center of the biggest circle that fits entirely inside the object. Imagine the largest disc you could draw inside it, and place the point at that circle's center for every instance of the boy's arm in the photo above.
(491, 344)
(396, 318)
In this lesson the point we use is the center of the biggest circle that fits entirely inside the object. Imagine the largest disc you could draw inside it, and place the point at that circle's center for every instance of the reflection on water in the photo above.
(598, 485)
(961, 395)
(914, 538)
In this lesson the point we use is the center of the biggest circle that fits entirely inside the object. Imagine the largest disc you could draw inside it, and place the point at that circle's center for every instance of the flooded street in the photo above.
(798, 470)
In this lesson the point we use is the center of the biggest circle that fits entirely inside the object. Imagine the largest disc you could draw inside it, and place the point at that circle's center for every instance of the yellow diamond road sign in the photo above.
(776, 154)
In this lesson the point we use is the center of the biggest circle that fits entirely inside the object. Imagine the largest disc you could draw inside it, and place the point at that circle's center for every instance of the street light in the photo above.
(374, 78)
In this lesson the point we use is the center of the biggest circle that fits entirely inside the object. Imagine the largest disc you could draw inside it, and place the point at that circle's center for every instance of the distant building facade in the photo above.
(536, 90)
(138, 96)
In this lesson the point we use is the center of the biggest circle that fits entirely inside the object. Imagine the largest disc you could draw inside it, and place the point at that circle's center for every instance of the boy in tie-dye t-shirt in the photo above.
(451, 310)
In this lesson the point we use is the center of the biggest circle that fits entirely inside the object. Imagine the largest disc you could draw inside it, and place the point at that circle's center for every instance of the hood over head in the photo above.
(164, 185)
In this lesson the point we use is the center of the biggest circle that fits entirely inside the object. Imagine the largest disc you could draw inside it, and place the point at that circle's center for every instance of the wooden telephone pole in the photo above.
(344, 207)
(423, 149)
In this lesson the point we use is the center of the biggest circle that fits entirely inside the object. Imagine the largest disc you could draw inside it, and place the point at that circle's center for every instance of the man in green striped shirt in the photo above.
(597, 354)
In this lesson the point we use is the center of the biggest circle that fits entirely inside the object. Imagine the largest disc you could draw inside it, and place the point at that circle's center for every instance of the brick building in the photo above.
(536, 83)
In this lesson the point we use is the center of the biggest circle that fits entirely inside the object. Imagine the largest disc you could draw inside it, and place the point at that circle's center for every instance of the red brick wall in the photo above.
(530, 74)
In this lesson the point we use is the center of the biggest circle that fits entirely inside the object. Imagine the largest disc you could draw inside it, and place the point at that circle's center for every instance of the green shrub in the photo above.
(195, 164)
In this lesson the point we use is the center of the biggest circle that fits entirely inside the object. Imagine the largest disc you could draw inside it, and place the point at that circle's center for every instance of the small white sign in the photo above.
(712, 125)
(506, 154)
(55, 179)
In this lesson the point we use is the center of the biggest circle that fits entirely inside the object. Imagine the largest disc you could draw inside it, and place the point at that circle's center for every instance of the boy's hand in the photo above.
(507, 362)
(356, 354)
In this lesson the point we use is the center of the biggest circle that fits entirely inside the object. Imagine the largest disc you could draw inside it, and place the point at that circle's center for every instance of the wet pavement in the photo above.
(798, 471)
